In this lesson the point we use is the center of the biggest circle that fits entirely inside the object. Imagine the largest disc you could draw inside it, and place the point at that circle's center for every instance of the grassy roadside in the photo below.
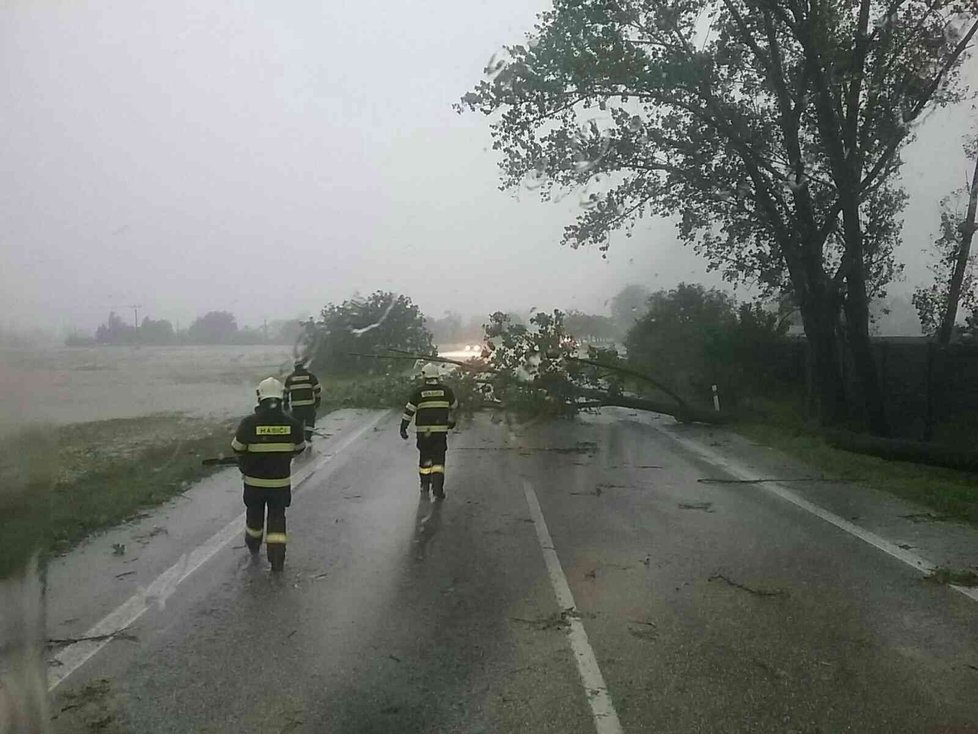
(67, 483)
(110, 471)
(951, 494)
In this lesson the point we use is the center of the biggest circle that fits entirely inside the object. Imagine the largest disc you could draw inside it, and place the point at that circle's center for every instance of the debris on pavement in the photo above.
(748, 589)
(118, 549)
(704, 506)
(644, 631)
(919, 517)
(144, 538)
(713, 480)
(65, 641)
(948, 576)
(556, 621)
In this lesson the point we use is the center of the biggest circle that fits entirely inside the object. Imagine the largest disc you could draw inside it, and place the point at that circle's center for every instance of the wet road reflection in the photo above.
(427, 522)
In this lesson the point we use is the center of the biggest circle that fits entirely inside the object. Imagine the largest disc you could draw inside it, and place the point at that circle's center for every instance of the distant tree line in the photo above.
(214, 327)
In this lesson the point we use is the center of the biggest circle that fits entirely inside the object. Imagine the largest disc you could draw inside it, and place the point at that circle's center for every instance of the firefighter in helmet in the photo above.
(305, 394)
(265, 443)
(432, 406)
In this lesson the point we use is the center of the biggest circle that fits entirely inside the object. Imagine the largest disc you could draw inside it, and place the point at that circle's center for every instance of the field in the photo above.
(106, 433)
(82, 424)
(76, 385)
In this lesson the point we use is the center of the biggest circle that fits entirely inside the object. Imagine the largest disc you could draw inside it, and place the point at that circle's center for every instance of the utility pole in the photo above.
(135, 314)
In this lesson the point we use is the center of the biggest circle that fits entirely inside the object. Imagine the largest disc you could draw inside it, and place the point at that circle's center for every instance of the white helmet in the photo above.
(270, 388)
(430, 371)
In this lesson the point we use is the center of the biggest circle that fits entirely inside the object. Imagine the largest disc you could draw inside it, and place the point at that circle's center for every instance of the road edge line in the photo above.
(918, 563)
(598, 698)
(75, 655)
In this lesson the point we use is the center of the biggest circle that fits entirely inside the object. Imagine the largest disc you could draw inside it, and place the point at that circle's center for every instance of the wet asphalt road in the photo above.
(709, 607)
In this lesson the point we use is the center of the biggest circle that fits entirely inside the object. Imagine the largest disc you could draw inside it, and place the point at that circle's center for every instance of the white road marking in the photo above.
(602, 708)
(916, 562)
(77, 654)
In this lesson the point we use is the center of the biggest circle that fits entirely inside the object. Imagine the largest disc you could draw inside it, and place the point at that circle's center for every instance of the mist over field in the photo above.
(267, 161)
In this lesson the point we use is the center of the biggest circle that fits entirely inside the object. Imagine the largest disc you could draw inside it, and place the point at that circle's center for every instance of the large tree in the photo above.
(214, 327)
(770, 129)
(370, 325)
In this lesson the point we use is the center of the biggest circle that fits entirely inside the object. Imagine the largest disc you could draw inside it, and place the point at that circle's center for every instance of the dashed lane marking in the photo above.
(602, 708)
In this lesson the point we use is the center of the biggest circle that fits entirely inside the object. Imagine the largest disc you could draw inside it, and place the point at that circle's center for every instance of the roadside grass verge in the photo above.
(952, 494)
(63, 484)
(110, 471)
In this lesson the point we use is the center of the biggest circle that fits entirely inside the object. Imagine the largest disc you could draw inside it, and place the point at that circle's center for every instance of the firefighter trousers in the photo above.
(306, 414)
(432, 448)
(270, 501)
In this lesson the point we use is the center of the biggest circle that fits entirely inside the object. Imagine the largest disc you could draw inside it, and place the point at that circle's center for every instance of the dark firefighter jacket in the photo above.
(430, 406)
(265, 443)
(303, 389)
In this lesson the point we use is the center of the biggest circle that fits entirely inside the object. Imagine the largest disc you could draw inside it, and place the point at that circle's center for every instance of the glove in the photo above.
(451, 425)
(404, 433)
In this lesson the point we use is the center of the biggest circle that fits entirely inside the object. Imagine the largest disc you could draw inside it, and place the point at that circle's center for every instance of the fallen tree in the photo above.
(538, 370)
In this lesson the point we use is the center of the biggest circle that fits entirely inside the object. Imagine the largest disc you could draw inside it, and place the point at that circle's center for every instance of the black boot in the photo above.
(252, 543)
(425, 484)
(438, 486)
(276, 556)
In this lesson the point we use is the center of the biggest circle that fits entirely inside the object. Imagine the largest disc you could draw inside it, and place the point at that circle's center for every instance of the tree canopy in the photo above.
(769, 130)
(214, 327)
(693, 337)
(371, 325)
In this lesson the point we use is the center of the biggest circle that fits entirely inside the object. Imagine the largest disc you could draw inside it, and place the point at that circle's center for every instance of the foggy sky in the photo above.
(266, 158)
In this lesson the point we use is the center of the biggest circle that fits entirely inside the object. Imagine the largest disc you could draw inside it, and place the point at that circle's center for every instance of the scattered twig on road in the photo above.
(644, 631)
(593, 573)
(710, 480)
(145, 537)
(973, 667)
(555, 621)
(394, 658)
(952, 577)
(596, 492)
(748, 589)
(124, 574)
(704, 506)
(120, 635)
(926, 517)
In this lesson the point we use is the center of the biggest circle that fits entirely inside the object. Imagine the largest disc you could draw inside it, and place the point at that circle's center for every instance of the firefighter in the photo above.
(265, 444)
(305, 393)
(432, 406)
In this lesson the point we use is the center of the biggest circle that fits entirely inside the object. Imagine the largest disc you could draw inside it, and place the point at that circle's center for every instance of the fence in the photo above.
(930, 392)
